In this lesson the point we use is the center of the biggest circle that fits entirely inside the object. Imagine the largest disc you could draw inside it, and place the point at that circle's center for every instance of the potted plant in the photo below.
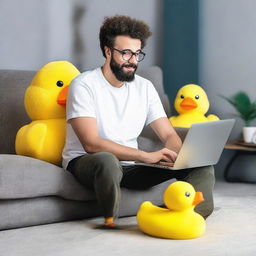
(246, 111)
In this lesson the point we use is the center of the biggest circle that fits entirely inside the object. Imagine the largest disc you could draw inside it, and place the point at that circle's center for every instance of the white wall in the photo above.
(227, 58)
(150, 11)
(34, 32)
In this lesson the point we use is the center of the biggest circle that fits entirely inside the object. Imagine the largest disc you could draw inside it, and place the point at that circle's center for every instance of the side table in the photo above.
(244, 160)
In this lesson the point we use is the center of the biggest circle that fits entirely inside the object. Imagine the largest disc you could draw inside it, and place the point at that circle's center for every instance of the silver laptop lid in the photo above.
(204, 144)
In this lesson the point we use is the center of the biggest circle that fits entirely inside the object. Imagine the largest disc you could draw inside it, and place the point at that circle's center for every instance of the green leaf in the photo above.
(243, 105)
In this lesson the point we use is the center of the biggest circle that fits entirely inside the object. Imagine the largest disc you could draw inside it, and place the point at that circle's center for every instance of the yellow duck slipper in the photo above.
(45, 102)
(178, 221)
(191, 103)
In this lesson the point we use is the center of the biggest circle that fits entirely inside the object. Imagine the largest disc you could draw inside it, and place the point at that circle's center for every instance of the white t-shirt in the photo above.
(121, 113)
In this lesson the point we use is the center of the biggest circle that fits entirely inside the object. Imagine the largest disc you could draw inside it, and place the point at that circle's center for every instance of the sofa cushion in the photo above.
(43, 210)
(34, 211)
(13, 84)
(155, 75)
(25, 177)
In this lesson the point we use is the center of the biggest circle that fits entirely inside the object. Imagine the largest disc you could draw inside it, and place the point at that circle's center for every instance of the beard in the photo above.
(120, 74)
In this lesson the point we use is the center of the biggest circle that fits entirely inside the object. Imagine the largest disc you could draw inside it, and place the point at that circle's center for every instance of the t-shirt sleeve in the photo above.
(155, 106)
(80, 101)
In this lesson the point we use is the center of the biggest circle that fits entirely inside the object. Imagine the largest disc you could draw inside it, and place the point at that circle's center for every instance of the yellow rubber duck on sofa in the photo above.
(191, 103)
(179, 221)
(45, 102)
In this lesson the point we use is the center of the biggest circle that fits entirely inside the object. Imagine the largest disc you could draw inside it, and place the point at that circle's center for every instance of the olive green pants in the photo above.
(102, 173)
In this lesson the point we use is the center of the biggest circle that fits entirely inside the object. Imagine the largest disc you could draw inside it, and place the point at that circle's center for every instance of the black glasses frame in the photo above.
(136, 54)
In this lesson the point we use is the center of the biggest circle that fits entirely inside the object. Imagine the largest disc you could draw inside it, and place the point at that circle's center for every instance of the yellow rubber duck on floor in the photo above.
(191, 103)
(45, 102)
(179, 221)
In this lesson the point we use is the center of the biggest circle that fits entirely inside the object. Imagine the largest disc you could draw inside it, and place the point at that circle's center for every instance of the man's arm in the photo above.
(87, 131)
(166, 133)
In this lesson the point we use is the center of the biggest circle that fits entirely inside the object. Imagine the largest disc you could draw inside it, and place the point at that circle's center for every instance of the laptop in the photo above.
(202, 146)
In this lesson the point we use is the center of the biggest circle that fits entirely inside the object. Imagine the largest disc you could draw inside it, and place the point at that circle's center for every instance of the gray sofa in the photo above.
(35, 192)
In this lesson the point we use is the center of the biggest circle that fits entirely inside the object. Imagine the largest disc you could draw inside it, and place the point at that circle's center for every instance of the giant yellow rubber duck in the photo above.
(191, 103)
(45, 102)
(179, 221)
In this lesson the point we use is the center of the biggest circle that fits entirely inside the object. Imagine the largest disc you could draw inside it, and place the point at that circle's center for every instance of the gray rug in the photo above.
(231, 230)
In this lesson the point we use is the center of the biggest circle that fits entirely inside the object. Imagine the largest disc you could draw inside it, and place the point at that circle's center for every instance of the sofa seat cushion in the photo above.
(25, 177)
(18, 213)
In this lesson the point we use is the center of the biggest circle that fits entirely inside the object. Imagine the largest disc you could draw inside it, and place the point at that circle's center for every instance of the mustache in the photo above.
(129, 66)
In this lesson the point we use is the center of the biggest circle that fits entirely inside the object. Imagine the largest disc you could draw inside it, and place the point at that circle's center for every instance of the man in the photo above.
(107, 109)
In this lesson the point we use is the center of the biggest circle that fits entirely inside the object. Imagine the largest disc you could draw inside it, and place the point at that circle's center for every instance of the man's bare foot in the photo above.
(109, 222)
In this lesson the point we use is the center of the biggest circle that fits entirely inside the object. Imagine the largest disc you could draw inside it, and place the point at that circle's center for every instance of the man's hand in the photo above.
(164, 156)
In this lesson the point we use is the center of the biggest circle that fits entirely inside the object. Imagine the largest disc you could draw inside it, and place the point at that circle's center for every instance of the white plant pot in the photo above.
(249, 134)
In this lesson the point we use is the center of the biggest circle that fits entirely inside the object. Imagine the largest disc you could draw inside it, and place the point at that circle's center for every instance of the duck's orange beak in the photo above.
(188, 103)
(198, 198)
(62, 97)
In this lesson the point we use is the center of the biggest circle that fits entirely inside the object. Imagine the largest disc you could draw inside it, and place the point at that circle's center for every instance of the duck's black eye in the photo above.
(182, 96)
(187, 194)
(60, 83)
(197, 97)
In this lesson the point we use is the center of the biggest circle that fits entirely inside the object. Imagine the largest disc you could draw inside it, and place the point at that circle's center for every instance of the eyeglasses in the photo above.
(128, 54)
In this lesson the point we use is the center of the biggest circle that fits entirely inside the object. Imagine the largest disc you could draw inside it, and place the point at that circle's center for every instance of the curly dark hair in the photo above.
(122, 25)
